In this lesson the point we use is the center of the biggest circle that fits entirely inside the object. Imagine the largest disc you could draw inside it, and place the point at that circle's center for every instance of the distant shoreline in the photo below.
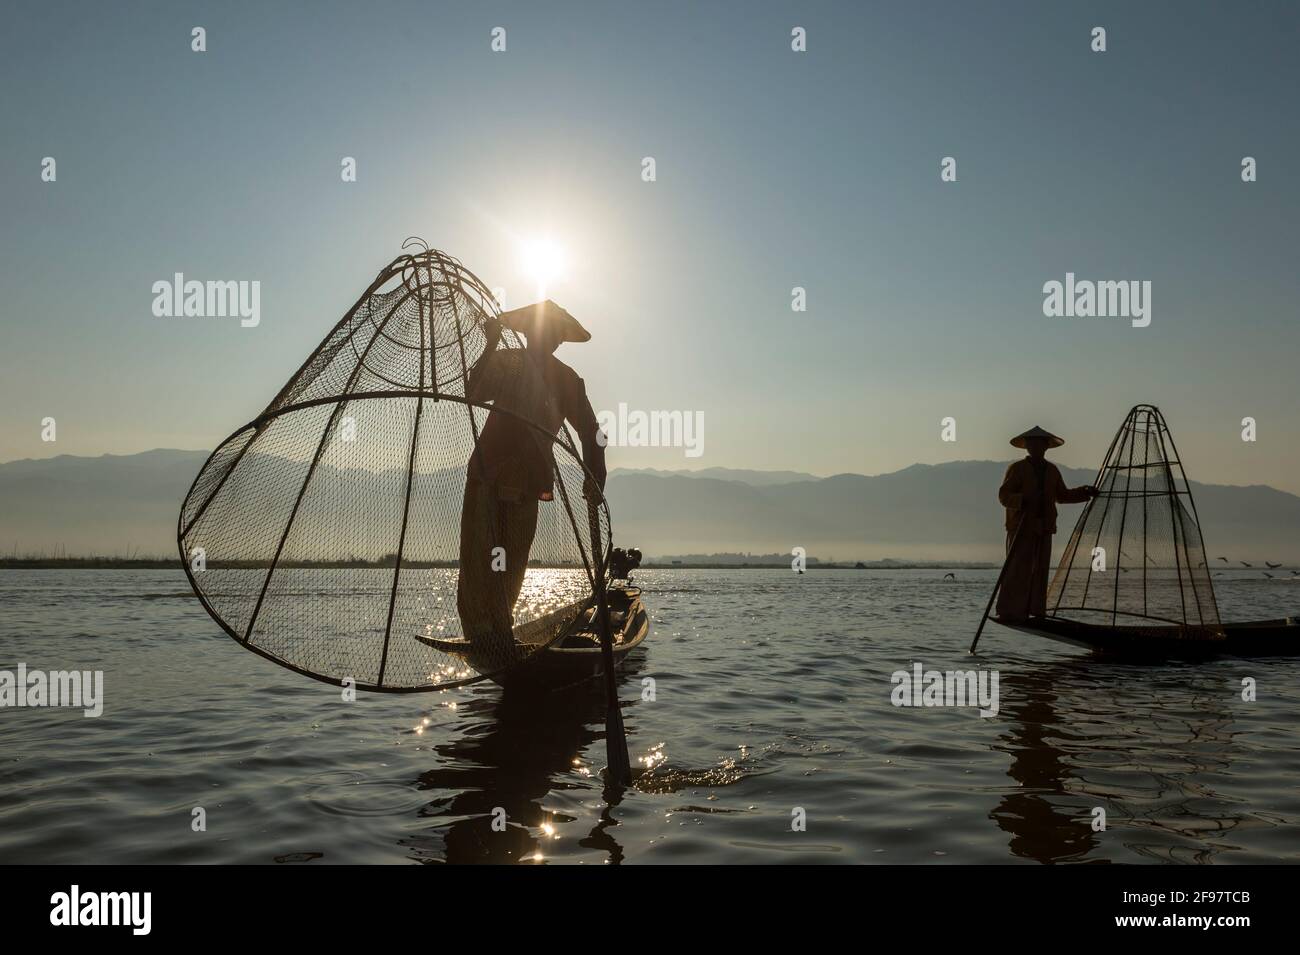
(114, 563)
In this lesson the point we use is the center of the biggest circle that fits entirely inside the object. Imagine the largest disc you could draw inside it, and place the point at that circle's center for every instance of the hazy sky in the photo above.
(775, 169)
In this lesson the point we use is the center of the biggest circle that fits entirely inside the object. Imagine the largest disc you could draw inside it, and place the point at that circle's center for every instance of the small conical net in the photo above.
(326, 534)
(1136, 557)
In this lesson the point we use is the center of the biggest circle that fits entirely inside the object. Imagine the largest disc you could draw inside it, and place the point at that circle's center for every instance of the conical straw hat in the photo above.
(530, 319)
(1036, 432)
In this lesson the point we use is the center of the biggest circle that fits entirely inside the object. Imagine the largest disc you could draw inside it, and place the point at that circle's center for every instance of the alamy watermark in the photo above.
(1084, 298)
(922, 687)
(75, 907)
(71, 688)
(652, 429)
(194, 299)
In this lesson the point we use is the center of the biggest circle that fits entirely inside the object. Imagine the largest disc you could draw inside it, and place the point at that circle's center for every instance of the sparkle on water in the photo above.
(772, 692)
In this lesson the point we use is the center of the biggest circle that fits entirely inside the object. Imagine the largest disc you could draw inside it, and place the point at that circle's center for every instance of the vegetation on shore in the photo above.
(168, 563)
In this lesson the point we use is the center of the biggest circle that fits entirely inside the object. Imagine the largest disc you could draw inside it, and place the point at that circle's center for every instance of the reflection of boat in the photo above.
(574, 656)
(1045, 813)
(1257, 638)
(508, 752)
(1158, 755)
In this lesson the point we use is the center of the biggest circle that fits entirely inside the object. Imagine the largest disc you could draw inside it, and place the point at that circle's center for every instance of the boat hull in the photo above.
(573, 658)
(1257, 638)
(577, 658)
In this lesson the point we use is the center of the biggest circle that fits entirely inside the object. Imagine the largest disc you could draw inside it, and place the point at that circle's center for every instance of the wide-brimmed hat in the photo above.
(1036, 432)
(531, 319)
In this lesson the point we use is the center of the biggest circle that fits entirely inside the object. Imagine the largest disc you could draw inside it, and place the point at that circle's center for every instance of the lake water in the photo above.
(772, 695)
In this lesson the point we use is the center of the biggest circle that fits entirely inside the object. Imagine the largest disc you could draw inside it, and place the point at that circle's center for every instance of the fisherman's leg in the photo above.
(521, 530)
(1013, 596)
(1038, 589)
(479, 595)
(468, 578)
(496, 591)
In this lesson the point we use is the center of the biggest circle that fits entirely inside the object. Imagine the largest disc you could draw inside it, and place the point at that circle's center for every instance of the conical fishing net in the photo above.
(326, 534)
(1136, 557)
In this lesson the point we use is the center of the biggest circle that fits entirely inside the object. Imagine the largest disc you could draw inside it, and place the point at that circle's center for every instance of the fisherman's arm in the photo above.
(1073, 495)
(579, 413)
(482, 382)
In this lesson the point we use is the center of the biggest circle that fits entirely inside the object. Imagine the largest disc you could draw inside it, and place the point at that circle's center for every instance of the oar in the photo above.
(620, 766)
(1015, 539)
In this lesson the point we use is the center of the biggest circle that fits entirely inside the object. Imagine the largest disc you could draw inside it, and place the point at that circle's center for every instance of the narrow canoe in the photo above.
(1255, 638)
(575, 657)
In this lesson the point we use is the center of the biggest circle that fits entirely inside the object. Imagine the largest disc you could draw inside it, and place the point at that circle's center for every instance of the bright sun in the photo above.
(543, 260)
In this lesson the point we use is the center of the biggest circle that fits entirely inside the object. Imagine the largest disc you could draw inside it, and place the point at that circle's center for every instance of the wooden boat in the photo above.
(571, 659)
(1255, 638)
(1133, 580)
(326, 552)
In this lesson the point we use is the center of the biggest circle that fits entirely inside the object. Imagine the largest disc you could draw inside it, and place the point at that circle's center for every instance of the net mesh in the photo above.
(327, 533)
(1136, 557)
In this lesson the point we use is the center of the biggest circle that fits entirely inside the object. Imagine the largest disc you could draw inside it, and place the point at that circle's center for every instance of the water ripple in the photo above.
(770, 703)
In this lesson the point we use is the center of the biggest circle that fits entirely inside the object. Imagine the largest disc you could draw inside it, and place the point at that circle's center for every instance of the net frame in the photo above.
(1197, 616)
(442, 288)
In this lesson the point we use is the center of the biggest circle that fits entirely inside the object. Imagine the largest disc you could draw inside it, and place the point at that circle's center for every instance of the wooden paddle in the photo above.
(620, 765)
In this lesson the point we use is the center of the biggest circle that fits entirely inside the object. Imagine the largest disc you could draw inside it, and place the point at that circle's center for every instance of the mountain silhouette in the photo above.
(124, 505)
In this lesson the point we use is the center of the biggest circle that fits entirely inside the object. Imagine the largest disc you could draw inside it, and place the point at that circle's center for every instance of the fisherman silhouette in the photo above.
(1030, 492)
(512, 468)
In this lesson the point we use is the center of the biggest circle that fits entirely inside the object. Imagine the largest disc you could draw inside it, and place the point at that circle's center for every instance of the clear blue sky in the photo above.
(775, 169)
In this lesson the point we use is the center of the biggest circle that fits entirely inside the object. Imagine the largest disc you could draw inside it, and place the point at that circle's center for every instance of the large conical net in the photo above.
(1136, 557)
(326, 534)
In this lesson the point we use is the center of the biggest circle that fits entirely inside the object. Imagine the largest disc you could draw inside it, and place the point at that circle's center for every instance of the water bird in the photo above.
(1244, 564)
(949, 576)
(1270, 565)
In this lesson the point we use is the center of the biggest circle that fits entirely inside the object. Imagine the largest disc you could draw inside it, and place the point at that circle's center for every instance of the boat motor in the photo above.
(623, 562)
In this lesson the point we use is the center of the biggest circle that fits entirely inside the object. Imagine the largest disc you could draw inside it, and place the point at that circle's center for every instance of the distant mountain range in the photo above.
(120, 505)
(923, 512)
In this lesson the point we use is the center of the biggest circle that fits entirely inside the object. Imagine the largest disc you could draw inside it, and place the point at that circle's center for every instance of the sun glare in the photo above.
(543, 260)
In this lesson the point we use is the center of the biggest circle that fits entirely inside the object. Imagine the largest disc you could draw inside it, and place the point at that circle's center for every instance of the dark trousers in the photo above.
(486, 598)
(1024, 588)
